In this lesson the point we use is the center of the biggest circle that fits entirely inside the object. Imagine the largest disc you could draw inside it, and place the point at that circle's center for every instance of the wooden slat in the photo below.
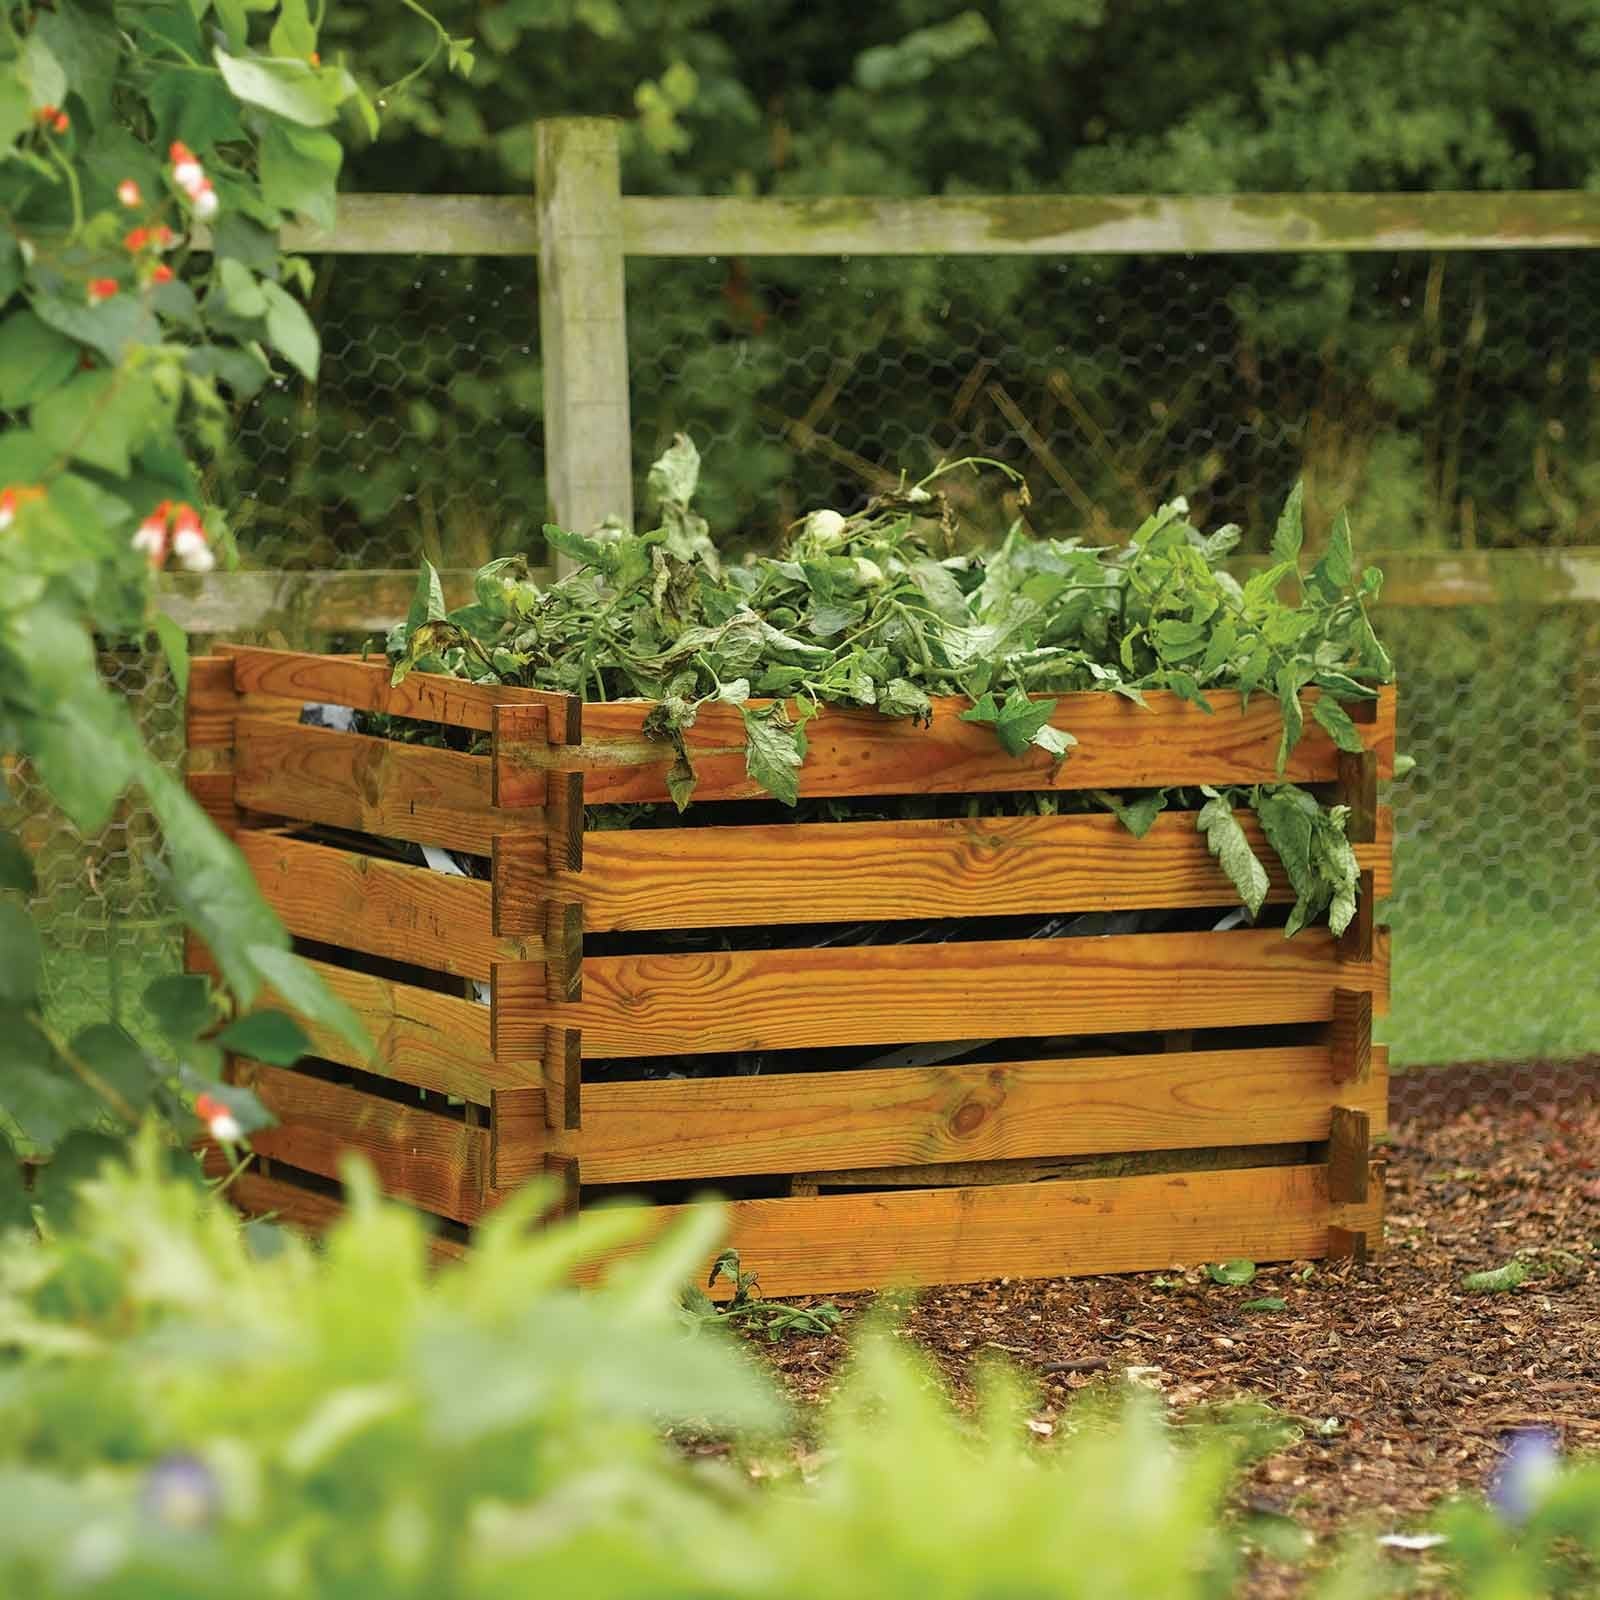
(348, 780)
(877, 871)
(860, 752)
(1072, 1228)
(435, 1162)
(1356, 942)
(348, 681)
(1350, 1036)
(210, 712)
(429, 1040)
(857, 225)
(816, 1121)
(384, 908)
(661, 1004)
(1106, 224)
(306, 1210)
(1382, 951)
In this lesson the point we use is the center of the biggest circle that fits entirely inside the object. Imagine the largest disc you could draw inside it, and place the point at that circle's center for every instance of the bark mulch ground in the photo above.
(1405, 1383)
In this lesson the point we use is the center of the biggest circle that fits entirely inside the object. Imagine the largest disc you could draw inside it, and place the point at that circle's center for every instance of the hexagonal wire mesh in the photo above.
(1448, 400)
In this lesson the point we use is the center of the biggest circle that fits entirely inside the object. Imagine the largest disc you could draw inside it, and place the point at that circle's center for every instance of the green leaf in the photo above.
(290, 330)
(1333, 716)
(43, 76)
(674, 476)
(113, 327)
(174, 644)
(299, 171)
(427, 600)
(1289, 535)
(98, 417)
(180, 1006)
(299, 987)
(1228, 842)
(774, 750)
(270, 1036)
(1231, 1272)
(113, 1055)
(16, 866)
(899, 697)
(241, 289)
(293, 34)
(21, 957)
(1021, 722)
(292, 89)
(1137, 816)
(1498, 1280)
(34, 358)
(1288, 686)
(1333, 573)
(1269, 1302)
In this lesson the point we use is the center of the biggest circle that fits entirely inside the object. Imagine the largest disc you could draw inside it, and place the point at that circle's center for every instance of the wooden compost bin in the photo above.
(1229, 1115)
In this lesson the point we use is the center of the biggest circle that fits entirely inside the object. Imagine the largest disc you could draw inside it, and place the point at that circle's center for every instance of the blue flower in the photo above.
(1532, 1458)
(181, 1492)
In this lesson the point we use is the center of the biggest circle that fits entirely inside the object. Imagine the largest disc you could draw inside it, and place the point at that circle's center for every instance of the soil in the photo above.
(1405, 1384)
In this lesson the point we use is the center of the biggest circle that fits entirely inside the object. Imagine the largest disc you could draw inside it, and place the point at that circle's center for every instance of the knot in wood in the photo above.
(969, 1117)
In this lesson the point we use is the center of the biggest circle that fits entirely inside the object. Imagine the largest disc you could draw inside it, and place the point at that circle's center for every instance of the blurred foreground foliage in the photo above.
(191, 1408)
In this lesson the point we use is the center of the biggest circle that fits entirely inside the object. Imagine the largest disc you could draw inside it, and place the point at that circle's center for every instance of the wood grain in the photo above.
(879, 871)
(350, 681)
(384, 908)
(435, 1162)
(1358, 789)
(1357, 942)
(1071, 1228)
(863, 753)
(309, 1211)
(667, 1004)
(430, 1040)
(833, 1120)
(1350, 1036)
(348, 780)
(210, 711)
(1349, 1150)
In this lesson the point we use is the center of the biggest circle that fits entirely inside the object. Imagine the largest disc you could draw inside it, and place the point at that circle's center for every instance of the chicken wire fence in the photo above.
(1450, 401)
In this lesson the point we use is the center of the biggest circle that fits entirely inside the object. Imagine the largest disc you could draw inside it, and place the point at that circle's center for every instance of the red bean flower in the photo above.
(150, 537)
(220, 1122)
(161, 273)
(191, 177)
(189, 542)
(128, 193)
(101, 290)
(12, 500)
(136, 239)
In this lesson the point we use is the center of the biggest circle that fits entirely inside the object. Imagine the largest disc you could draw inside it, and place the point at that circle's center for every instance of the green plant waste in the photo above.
(872, 610)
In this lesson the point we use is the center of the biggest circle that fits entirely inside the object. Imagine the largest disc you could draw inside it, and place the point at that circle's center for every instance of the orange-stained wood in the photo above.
(431, 919)
(210, 711)
(306, 1210)
(837, 1120)
(1068, 1227)
(435, 1162)
(878, 871)
(348, 780)
(430, 1040)
(859, 752)
(669, 1004)
(350, 681)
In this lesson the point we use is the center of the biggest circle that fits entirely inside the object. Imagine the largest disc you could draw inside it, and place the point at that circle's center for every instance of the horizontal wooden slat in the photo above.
(384, 908)
(800, 1121)
(949, 867)
(661, 1004)
(1106, 224)
(306, 1210)
(1121, 746)
(347, 780)
(1042, 224)
(1068, 1227)
(349, 681)
(435, 1162)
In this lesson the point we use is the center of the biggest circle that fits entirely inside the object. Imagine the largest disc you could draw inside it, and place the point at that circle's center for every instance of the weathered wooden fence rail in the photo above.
(580, 229)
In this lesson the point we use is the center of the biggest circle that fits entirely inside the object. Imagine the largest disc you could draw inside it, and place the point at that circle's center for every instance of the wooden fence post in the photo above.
(583, 337)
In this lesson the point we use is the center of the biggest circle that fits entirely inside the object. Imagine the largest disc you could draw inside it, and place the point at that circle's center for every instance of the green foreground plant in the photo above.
(194, 1408)
(150, 150)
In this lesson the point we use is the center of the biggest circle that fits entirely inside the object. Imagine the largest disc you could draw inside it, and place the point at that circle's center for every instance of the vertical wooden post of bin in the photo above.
(525, 902)
(583, 340)
(1350, 1034)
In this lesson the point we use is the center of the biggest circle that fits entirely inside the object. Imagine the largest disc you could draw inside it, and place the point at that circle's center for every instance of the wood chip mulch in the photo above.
(1413, 1380)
